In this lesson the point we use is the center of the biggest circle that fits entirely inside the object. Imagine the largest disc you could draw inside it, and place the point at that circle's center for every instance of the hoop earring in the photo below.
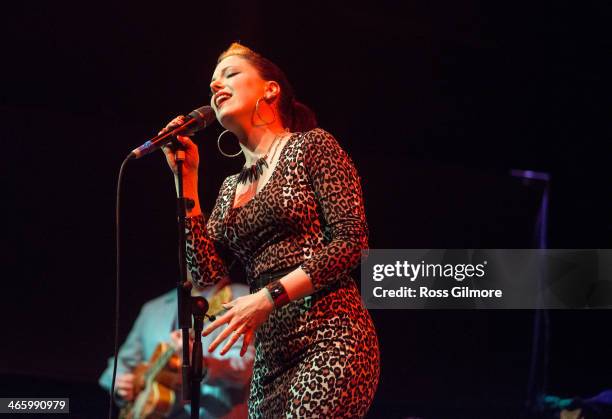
(219, 146)
(259, 115)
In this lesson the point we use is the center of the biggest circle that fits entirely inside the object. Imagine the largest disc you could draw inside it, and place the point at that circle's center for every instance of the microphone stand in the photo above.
(188, 306)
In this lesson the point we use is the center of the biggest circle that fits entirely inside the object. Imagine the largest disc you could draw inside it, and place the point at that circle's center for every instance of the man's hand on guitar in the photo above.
(124, 386)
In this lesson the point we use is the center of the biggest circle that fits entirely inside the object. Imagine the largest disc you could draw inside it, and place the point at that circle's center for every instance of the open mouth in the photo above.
(221, 98)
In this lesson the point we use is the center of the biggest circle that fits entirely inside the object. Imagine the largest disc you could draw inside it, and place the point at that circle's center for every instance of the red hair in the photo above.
(294, 115)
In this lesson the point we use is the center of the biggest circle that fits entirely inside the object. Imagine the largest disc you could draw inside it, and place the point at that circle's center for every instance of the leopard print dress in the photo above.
(317, 356)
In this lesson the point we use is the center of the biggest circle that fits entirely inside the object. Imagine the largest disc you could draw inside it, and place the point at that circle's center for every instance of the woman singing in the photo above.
(294, 217)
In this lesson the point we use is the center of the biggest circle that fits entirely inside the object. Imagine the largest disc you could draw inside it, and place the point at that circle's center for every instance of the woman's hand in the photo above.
(192, 158)
(244, 316)
(190, 165)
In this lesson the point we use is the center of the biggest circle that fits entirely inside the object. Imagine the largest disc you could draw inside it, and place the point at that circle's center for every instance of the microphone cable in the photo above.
(117, 283)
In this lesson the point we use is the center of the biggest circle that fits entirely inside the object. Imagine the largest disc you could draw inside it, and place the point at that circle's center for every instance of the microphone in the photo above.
(196, 120)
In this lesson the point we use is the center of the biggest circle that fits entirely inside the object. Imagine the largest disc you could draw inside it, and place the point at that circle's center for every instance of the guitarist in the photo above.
(225, 387)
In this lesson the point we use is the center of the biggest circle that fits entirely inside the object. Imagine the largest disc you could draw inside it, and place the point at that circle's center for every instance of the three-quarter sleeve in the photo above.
(203, 248)
(337, 188)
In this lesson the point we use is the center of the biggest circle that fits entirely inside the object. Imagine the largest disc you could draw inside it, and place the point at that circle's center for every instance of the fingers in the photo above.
(233, 339)
(125, 386)
(191, 157)
(126, 394)
(226, 318)
(184, 141)
(179, 120)
(229, 304)
(222, 336)
(218, 322)
(242, 319)
(175, 123)
(246, 341)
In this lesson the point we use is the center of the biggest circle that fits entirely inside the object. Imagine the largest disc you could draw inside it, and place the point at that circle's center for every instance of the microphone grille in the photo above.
(204, 115)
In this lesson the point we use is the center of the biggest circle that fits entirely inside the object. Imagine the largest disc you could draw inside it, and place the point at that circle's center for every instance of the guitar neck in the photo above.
(159, 364)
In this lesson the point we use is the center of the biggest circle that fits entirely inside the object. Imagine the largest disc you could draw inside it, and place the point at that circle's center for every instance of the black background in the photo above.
(435, 102)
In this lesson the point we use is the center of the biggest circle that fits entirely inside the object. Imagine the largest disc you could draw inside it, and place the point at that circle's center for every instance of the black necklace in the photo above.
(253, 172)
(249, 174)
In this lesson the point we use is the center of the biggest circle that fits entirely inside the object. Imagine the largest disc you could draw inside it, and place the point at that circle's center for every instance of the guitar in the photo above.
(154, 385)
(156, 381)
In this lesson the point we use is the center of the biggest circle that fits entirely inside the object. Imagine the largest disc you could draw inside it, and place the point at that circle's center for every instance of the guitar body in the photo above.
(155, 402)
(154, 384)
(156, 381)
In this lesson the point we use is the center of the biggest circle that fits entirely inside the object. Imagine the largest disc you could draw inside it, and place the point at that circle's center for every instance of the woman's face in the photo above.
(235, 87)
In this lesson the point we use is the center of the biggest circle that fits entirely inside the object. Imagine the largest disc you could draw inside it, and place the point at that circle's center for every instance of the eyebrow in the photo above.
(223, 71)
